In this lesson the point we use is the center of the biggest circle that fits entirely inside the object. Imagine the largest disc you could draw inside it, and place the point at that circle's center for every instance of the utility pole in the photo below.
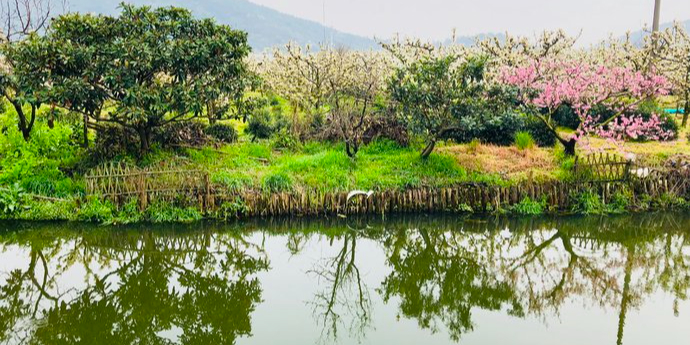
(657, 14)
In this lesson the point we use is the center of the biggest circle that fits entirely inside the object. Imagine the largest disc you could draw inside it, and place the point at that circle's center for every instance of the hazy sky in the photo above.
(435, 19)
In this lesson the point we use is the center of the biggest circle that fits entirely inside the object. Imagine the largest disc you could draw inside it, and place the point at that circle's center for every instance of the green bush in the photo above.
(129, 213)
(232, 209)
(540, 132)
(285, 141)
(165, 212)
(276, 183)
(501, 129)
(11, 200)
(524, 141)
(114, 141)
(588, 202)
(261, 124)
(566, 117)
(529, 207)
(184, 133)
(48, 210)
(232, 181)
(95, 210)
(40, 165)
(490, 129)
(222, 132)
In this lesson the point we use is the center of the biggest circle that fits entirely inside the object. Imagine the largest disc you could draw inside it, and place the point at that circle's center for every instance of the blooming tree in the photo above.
(548, 84)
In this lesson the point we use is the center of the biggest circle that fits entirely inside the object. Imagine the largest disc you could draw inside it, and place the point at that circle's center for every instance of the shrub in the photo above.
(113, 141)
(619, 203)
(285, 140)
(529, 207)
(501, 129)
(541, 134)
(588, 202)
(129, 213)
(95, 210)
(222, 132)
(566, 117)
(232, 209)
(260, 124)
(11, 200)
(48, 210)
(524, 141)
(231, 180)
(276, 183)
(185, 133)
(165, 212)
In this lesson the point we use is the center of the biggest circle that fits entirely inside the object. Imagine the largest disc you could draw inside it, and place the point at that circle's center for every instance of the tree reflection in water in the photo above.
(201, 286)
(138, 287)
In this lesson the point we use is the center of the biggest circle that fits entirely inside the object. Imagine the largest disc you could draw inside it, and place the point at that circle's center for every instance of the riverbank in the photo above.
(49, 178)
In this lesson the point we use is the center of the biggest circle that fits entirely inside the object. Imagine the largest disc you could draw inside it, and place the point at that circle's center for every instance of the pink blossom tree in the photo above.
(546, 85)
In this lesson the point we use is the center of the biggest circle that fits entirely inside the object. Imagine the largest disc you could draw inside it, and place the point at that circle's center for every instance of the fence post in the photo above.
(143, 195)
(208, 198)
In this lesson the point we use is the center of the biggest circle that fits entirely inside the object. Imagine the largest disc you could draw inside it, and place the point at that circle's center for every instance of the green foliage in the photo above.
(529, 207)
(129, 213)
(222, 132)
(285, 141)
(540, 132)
(41, 210)
(435, 94)
(165, 212)
(670, 201)
(113, 141)
(11, 200)
(490, 128)
(619, 203)
(40, 165)
(277, 183)
(232, 209)
(95, 210)
(261, 125)
(588, 202)
(232, 181)
(524, 141)
(150, 66)
(181, 134)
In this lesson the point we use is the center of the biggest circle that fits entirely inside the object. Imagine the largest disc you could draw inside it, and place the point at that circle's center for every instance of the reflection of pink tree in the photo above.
(549, 84)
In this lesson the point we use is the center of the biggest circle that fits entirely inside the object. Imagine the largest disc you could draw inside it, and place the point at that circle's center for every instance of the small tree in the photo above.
(20, 19)
(435, 92)
(546, 85)
(356, 81)
(149, 66)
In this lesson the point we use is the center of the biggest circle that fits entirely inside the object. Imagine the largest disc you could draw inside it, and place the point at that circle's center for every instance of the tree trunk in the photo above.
(24, 125)
(351, 150)
(569, 146)
(429, 149)
(686, 109)
(85, 144)
(144, 139)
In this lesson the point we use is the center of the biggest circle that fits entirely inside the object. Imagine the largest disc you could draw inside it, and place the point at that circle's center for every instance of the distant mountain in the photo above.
(637, 37)
(266, 27)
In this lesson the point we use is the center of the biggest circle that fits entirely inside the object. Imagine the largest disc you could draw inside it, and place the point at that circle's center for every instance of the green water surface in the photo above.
(410, 280)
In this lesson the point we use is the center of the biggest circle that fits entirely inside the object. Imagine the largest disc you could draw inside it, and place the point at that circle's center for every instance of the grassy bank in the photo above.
(43, 179)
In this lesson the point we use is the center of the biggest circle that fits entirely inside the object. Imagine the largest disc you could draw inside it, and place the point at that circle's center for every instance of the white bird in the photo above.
(355, 193)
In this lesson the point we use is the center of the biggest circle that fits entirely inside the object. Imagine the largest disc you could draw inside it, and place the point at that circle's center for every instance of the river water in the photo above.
(401, 280)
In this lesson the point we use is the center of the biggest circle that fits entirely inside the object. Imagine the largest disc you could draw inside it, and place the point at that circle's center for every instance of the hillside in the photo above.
(266, 27)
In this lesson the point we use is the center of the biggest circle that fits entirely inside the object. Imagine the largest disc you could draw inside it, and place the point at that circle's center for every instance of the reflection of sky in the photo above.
(286, 316)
